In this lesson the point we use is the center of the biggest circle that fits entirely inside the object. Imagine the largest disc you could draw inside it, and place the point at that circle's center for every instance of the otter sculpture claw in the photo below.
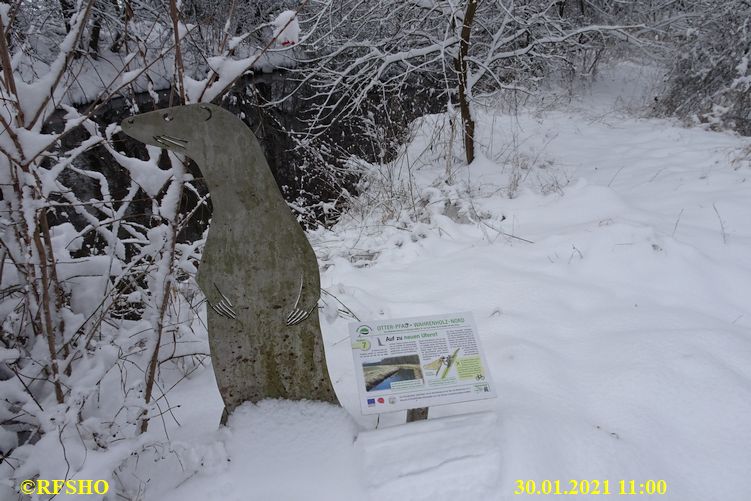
(225, 306)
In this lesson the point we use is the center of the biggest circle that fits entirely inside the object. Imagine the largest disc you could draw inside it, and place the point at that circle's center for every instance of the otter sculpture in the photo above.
(258, 271)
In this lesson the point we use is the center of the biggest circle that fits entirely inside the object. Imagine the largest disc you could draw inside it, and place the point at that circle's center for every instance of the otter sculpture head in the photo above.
(193, 130)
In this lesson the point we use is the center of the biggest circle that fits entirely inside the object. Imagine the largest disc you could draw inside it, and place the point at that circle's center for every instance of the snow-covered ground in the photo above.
(607, 260)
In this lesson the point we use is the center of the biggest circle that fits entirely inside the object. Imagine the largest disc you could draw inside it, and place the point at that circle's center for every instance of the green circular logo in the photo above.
(363, 330)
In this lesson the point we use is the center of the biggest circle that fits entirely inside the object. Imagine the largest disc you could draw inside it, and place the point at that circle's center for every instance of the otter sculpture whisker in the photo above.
(266, 341)
(170, 142)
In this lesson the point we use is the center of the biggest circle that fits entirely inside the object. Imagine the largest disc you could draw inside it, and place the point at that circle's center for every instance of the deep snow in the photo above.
(618, 339)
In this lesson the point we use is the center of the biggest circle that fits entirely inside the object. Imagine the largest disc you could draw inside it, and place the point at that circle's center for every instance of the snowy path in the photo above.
(619, 340)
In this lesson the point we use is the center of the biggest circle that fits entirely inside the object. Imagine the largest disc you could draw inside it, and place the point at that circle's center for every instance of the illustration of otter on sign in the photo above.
(258, 270)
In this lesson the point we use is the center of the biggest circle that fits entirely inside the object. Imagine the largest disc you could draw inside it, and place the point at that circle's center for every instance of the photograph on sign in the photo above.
(416, 362)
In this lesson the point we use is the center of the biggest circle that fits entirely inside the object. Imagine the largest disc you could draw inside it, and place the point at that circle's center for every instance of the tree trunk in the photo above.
(95, 34)
(460, 65)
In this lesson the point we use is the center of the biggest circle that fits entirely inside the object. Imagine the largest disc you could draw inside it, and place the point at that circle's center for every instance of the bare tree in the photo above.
(355, 50)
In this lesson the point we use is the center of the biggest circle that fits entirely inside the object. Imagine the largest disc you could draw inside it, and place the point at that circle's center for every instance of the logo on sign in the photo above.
(371, 402)
(363, 330)
(381, 400)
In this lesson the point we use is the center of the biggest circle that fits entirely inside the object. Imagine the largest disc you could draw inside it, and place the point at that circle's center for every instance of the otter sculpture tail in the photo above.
(258, 271)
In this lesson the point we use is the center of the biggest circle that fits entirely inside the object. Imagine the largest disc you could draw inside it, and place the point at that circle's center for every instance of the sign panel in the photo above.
(416, 362)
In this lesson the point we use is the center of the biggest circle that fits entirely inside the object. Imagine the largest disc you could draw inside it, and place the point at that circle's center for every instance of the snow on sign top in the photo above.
(415, 362)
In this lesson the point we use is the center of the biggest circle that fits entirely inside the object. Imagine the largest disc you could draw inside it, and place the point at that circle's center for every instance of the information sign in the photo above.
(415, 362)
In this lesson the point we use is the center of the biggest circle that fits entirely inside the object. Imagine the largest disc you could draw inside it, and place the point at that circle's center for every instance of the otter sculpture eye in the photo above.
(167, 117)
